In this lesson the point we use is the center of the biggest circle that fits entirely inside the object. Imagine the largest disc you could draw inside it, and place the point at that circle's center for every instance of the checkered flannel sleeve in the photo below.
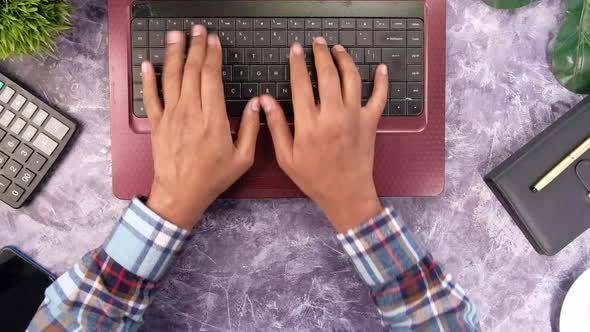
(112, 286)
(410, 289)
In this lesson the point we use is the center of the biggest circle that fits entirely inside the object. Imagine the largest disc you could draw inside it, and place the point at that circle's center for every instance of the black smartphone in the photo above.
(22, 289)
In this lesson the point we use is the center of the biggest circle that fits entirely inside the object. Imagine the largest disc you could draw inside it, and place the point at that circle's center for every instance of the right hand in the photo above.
(331, 156)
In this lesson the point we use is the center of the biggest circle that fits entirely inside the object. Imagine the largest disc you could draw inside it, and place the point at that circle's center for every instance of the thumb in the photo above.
(279, 130)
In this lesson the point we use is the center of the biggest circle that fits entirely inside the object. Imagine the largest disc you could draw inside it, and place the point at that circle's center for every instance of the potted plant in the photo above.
(571, 52)
(29, 27)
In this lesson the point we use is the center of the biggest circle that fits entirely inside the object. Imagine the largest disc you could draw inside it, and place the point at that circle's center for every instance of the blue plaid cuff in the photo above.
(143, 243)
(382, 248)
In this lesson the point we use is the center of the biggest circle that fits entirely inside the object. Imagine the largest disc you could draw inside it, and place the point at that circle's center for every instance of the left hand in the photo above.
(195, 158)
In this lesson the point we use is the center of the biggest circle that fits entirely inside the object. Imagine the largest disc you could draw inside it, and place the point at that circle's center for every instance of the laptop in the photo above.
(408, 36)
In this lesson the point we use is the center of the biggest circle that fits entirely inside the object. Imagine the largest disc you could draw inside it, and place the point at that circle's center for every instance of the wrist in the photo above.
(180, 212)
(345, 214)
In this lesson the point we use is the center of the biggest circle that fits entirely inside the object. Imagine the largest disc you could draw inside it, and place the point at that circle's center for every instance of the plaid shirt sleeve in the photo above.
(410, 289)
(112, 286)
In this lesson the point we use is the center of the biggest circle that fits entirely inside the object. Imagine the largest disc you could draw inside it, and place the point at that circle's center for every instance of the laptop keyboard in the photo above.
(256, 55)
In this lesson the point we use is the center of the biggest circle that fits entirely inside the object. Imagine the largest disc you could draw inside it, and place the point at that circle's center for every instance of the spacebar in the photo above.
(235, 108)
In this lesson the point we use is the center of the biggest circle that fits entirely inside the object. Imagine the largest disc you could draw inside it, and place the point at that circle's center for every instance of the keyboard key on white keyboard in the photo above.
(29, 110)
(56, 128)
(6, 118)
(18, 126)
(45, 144)
(40, 117)
(29, 133)
(18, 102)
(6, 94)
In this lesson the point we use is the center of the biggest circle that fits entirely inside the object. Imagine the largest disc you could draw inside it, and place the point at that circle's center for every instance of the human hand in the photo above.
(331, 156)
(195, 158)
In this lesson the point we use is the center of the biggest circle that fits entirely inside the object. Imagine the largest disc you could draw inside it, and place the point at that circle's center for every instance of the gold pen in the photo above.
(562, 166)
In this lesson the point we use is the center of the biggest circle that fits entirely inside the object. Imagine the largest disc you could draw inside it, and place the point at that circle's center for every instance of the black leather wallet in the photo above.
(556, 215)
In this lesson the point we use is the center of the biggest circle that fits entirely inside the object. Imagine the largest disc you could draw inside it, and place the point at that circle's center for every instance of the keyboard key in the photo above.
(244, 24)
(396, 107)
(258, 73)
(381, 24)
(373, 71)
(212, 24)
(15, 192)
(12, 168)
(261, 24)
(268, 89)
(40, 118)
(330, 24)
(276, 73)
(364, 38)
(296, 24)
(296, 36)
(6, 94)
(253, 56)
(139, 109)
(4, 183)
(358, 55)
(18, 102)
(390, 38)
(157, 24)
(398, 24)
(30, 131)
(347, 38)
(157, 38)
(174, 24)
(245, 38)
(227, 24)
(279, 23)
(367, 90)
(9, 144)
(395, 58)
(139, 39)
(415, 39)
(249, 90)
(285, 55)
(262, 38)
(235, 56)
(232, 91)
(189, 23)
(139, 24)
(23, 153)
(36, 162)
(226, 73)
(279, 38)
(331, 37)
(283, 90)
(415, 24)
(29, 110)
(57, 129)
(364, 24)
(136, 74)
(45, 144)
(347, 23)
(3, 159)
(157, 56)
(25, 178)
(6, 118)
(308, 51)
(313, 23)
(228, 38)
(397, 90)
(415, 90)
(139, 55)
(415, 73)
(270, 55)
(18, 126)
(414, 107)
(372, 55)
(240, 73)
(365, 72)
(415, 56)
(310, 36)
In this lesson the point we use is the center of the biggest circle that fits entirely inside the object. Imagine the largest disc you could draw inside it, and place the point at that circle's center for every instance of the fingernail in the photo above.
(339, 48)
(174, 37)
(266, 105)
(255, 105)
(198, 30)
(145, 66)
(297, 49)
(320, 40)
(383, 70)
(212, 40)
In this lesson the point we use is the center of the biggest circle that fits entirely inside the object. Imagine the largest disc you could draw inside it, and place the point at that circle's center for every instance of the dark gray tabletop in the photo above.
(269, 265)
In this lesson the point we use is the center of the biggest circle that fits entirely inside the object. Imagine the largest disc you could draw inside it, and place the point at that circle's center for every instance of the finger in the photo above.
(279, 130)
(191, 81)
(248, 134)
(172, 74)
(378, 100)
(151, 100)
(212, 98)
(349, 77)
(328, 79)
(301, 91)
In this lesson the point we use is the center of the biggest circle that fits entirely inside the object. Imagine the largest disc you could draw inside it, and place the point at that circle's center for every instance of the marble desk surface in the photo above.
(268, 265)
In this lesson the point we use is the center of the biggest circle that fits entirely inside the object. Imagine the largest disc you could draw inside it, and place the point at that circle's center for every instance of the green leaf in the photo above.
(508, 4)
(571, 56)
